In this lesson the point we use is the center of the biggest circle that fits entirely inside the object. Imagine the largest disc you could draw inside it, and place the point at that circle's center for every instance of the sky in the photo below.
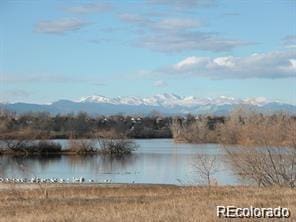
(52, 50)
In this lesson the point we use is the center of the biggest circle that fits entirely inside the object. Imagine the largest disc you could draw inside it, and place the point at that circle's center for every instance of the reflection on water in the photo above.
(155, 161)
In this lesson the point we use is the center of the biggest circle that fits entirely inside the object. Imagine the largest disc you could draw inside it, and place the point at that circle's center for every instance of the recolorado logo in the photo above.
(252, 212)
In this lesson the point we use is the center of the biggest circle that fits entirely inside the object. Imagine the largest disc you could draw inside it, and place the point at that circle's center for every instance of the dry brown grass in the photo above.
(134, 202)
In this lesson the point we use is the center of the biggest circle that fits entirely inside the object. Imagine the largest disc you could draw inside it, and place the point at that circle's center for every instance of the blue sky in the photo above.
(53, 50)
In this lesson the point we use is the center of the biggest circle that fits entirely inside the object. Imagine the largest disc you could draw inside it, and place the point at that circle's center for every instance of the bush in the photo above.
(267, 166)
(82, 146)
(45, 147)
(27, 147)
(117, 147)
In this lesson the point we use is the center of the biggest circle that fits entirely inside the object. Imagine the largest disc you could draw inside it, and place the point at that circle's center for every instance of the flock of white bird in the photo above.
(49, 180)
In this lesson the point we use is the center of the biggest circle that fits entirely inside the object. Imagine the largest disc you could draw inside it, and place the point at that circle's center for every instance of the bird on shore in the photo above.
(44, 180)
(81, 180)
(78, 180)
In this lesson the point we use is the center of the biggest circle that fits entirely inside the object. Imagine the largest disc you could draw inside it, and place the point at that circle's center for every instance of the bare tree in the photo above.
(206, 167)
(264, 166)
(193, 131)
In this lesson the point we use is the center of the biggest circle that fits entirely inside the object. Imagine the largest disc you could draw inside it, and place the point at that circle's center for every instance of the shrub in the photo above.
(46, 147)
(266, 166)
(82, 146)
(28, 147)
(117, 147)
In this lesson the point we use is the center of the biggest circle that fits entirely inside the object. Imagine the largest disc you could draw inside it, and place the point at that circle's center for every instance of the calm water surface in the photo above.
(155, 161)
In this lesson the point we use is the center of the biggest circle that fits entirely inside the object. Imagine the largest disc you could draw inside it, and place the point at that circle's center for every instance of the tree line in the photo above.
(42, 125)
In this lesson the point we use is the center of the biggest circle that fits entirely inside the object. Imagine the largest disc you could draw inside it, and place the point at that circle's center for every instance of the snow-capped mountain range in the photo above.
(172, 100)
(167, 104)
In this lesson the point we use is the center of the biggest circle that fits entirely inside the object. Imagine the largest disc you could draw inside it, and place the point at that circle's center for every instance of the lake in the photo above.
(157, 161)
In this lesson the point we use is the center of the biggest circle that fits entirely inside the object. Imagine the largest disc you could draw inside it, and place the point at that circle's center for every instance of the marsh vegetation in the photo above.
(26, 147)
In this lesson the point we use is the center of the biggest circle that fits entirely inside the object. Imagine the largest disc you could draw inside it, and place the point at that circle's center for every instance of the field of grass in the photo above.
(133, 202)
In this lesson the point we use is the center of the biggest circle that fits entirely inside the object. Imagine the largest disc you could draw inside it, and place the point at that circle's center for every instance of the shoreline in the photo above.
(7, 186)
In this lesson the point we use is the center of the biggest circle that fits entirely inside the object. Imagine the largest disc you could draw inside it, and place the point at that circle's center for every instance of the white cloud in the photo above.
(189, 61)
(134, 18)
(177, 23)
(160, 83)
(278, 64)
(60, 26)
(230, 14)
(89, 8)
(293, 64)
(289, 41)
(160, 24)
(225, 61)
(177, 35)
(183, 4)
(185, 40)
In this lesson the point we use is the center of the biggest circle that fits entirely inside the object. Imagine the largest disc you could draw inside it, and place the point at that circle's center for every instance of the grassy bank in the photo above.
(133, 202)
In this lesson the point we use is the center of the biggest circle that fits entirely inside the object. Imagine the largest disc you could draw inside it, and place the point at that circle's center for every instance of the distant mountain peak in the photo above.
(171, 100)
(166, 103)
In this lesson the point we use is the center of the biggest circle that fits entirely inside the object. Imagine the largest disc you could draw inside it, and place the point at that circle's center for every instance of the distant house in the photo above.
(29, 122)
(139, 119)
(159, 120)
